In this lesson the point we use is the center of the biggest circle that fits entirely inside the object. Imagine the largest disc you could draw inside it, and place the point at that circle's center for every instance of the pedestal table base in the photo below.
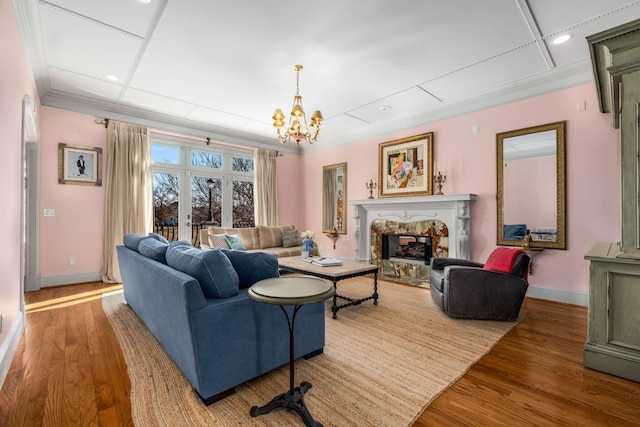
(288, 401)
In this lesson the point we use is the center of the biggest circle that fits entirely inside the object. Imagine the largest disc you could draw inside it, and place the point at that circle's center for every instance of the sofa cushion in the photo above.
(252, 266)
(271, 236)
(210, 267)
(218, 241)
(291, 239)
(235, 242)
(132, 241)
(154, 249)
(159, 237)
(249, 235)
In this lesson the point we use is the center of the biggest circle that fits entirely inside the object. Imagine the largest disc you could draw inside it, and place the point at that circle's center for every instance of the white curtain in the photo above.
(128, 204)
(266, 187)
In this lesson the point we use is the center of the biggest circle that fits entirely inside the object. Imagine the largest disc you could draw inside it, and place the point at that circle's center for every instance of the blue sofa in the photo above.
(217, 342)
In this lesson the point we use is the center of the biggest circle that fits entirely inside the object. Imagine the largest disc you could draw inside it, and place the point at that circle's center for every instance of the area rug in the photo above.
(382, 365)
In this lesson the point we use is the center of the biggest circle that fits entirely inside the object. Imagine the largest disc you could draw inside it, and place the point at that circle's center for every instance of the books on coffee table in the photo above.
(323, 261)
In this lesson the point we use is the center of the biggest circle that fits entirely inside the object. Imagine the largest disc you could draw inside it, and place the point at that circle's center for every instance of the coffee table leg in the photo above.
(334, 308)
(375, 288)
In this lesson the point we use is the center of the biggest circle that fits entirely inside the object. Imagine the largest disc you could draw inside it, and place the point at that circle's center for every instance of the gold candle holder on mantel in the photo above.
(439, 180)
(371, 186)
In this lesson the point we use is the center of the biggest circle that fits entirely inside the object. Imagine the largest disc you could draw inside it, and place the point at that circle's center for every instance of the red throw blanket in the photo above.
(501, 259)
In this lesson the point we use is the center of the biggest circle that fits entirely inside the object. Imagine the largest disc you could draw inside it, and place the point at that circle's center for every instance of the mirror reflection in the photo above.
(334, 198)
(530, 186)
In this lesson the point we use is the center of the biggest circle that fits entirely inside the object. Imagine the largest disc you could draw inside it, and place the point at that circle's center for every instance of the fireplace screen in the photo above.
(406, 247)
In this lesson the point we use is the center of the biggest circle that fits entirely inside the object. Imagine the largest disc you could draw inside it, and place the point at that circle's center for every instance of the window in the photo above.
(195, 186)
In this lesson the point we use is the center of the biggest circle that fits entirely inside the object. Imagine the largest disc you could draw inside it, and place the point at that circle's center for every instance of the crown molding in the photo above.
(163, 122)
(559, 78)
(28, 20)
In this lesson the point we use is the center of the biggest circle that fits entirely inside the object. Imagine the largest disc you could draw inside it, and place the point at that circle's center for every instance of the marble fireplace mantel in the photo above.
(454, 210)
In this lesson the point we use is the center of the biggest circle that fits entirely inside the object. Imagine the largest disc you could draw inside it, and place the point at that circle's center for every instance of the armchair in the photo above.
(471, 290)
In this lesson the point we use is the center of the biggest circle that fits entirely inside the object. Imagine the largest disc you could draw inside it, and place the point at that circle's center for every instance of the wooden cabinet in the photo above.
(613, 343)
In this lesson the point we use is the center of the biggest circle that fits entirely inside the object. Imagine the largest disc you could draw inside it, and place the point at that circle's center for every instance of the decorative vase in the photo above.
(307, 247)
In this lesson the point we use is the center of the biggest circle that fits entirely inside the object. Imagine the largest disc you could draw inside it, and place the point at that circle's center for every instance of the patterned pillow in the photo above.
(218, 241)
(235, 242)
(290, 239)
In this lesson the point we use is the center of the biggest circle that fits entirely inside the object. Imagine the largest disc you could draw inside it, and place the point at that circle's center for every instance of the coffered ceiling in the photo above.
(219, 68)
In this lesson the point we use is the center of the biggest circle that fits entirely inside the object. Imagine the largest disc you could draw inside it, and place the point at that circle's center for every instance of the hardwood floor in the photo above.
(69, 371)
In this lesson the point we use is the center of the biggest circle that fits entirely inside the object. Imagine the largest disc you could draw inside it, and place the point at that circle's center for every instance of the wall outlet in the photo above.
(344, 249)
(49, 212)
(72, 262)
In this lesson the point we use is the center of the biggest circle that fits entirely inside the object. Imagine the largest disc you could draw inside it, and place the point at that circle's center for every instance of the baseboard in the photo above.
(9, 346)
(558, 295)
(70, 279)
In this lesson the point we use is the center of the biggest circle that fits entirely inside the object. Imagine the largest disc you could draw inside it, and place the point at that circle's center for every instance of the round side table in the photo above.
(296, 291)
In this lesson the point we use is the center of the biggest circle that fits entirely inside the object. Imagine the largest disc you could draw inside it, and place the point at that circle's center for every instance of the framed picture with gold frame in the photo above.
(79, 165)
(406, 167)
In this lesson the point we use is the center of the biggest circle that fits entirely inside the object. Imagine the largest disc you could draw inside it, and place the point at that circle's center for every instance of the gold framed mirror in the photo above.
(531, 186)
(334, 198)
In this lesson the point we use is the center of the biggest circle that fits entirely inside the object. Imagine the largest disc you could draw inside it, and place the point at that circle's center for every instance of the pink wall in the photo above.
(290, 207)
(15, 83)
(76, 229)
(592, 177)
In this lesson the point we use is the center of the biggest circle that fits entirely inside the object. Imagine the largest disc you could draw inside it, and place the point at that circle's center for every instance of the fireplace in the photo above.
(407, 248)
(454, 211)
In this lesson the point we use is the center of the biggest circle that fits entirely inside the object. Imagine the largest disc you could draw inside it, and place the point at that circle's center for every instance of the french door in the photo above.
(195, 187)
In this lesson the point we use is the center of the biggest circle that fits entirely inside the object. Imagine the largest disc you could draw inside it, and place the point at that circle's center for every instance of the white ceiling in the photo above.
(220, 68)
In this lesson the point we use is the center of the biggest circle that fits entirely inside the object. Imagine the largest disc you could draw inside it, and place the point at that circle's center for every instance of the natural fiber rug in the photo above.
(382, 365)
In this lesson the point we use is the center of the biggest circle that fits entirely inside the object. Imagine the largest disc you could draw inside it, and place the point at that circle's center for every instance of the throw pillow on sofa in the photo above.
(132, 241)
(154, 249)
(210, 267)
(159, 237)
(235, 242)
(291, 239)
(252, 266)
(218, 241)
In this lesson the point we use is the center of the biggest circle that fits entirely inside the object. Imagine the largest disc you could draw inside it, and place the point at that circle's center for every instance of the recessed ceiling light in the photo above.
(385, 108)
(112, 78)
(561, 39)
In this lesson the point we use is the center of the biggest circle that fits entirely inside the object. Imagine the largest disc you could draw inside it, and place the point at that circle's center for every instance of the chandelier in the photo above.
(295, 131)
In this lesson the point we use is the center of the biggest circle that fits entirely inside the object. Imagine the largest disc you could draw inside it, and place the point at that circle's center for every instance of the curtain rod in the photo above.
(207, 140)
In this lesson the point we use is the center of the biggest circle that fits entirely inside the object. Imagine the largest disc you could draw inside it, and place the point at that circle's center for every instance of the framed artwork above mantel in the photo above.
(79, 165)
(406, 167)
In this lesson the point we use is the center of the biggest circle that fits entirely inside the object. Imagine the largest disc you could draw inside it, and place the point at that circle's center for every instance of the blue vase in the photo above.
(307, 245)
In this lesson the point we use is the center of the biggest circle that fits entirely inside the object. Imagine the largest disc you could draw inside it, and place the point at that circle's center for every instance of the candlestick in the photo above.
(439, 180)
(371, 186)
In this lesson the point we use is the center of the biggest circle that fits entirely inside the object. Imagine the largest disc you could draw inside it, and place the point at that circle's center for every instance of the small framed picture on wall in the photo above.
(79, 165)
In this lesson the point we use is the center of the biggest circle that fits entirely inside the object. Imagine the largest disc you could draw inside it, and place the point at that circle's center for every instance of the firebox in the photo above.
(406, 247)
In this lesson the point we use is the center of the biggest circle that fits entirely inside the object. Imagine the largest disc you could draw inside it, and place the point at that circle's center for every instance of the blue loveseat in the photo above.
(204, 320)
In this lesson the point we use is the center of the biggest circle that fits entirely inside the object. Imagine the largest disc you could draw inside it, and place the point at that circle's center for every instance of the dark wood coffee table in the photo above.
(347, 270)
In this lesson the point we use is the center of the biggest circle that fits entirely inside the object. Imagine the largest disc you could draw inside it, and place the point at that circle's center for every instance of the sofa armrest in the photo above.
(441, 263)
(471, 292)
